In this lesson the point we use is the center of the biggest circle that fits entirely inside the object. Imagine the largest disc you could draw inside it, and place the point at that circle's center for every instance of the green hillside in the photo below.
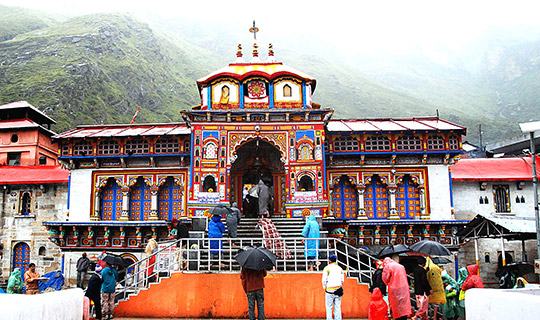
(14, 21)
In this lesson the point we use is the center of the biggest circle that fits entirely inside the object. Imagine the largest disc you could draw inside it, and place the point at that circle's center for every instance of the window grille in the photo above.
(453, 142)
(210, 151)
(137, 146)
(502, 198)
(187, 146)
(26, 204)
(109, 147)
(346, 143)
(167, 145)
(409, 142)
(305, 152)
(435, 143)
(65, 150)
(83, 148)
(379, 143)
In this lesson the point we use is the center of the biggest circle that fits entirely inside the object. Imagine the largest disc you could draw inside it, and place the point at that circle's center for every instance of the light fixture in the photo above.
(483, 185)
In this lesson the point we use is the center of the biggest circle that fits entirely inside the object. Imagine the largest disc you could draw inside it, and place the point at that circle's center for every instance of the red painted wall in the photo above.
(220, 295)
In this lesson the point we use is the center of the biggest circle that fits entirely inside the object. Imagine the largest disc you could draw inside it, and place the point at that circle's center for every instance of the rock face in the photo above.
(98, 68)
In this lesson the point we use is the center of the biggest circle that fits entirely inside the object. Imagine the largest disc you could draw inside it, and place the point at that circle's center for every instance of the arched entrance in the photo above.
(256, 160)
(21, 257)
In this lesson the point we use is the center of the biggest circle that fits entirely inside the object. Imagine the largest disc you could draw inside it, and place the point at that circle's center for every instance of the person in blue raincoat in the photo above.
(311, 231)
(215, 230)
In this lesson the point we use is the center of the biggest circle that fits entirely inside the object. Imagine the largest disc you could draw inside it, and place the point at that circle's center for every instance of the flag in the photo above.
(135, 115)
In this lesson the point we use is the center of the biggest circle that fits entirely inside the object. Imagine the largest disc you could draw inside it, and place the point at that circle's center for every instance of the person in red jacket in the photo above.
(473, 280)
(377, 309)
(253, 284)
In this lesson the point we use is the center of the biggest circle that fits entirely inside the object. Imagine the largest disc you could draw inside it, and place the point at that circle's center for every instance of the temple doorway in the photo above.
(256, 160)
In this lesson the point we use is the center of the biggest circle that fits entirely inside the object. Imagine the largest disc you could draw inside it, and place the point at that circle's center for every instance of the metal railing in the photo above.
(197, 255)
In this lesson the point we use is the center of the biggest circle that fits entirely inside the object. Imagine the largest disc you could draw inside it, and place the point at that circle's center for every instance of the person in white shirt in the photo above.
(332, 282)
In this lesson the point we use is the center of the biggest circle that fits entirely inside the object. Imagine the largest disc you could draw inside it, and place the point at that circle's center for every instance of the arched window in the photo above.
(305, 152)
(305, 183)
(42, 251)
(502, 198)
(26, 204)
(409, 142)
(287, 92)
(167, 145)
(346, 143)
(111, 201)
(376, 199)
(170, 200)
(137, 146)
(83, 148)
(140, 201)
(209, 184)
(210, 151)
(344, 199)
(435, 142)
(108, 147)
(377, 143)
(453, 142)
(187, 146)
(407, 199)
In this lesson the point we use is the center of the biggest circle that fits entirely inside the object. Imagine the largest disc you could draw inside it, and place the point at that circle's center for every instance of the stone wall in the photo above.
(49, 204)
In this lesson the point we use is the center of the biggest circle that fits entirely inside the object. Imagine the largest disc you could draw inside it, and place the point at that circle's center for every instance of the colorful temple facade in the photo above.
(373, 181)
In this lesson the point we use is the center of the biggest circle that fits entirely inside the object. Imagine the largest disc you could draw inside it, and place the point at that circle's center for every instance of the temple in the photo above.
(371, 181)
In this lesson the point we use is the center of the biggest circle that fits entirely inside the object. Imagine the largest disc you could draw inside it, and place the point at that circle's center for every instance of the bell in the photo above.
(257, 164)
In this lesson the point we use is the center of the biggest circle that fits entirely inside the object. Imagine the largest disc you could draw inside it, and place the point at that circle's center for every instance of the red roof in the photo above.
(126, 130)
(494, 169)
(33, 174)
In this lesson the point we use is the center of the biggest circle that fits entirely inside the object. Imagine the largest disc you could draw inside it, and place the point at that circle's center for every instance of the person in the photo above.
(215, 230)
(264, 197)
(94, 289)
(422, 289)
(377, 308)
(82, 269)
(253, 284)
(31, 279)
(451, 309)
(395, 277)
(438, 297)
(311, 231)
(332, 282)
(15, 284)
(508, 279)
(462, 276)
(473, 279)
(151, 248)
(376, 281)
(233, 219)
(109, 276)
(273, 241)
(520, 283)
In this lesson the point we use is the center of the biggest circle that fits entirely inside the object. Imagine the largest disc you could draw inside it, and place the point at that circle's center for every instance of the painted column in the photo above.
(330, 200)
(97, 206)
(154, 190)
(503, 253)
(422, 192)
(392, 188)
(476, 251)
(361, 190)
(125, 204)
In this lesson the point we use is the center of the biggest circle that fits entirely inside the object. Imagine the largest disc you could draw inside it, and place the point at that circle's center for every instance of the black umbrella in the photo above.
(440, 260)
(220, 211)
(519, 268)
(114, 260)
(431, 248)
(392, 249)
(256, 258)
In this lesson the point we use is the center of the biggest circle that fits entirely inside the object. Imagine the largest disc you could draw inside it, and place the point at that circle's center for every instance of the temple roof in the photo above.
(125, 130)
(494, 169)
(392, 124)
(33, 174)
(270, 71)
(22, 110)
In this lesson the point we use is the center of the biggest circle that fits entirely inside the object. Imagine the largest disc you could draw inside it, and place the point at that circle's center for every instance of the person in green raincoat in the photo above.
(15, 283)
(462, 276)
(451, 309)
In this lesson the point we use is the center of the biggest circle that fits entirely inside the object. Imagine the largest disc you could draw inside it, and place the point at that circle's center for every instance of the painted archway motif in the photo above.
(237, 140)
(376, 196)
(21, 257)
(344, 198)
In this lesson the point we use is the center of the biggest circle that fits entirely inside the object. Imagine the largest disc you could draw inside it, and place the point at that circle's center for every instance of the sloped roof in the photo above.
(490, 226)
(23, 124)
(392, 125)
(33, 174)
(125, 130)
(24, 109)
(494, 169)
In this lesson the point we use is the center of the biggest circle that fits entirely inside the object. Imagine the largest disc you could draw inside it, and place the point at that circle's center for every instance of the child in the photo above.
(377, 309)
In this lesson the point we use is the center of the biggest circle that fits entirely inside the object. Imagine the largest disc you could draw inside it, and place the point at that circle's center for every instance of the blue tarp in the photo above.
(56, 281)
(2, 291)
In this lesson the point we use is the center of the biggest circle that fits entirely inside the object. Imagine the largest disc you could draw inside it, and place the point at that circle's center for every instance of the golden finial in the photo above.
(239, 52)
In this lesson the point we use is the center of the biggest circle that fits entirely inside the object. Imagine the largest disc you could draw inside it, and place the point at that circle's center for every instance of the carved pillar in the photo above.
(361, 235)
(392, 188)
(107, 237)
(377, 235)
(75, 236)
(122, 237)
(90, 236)
(154, 190)
(139, 237)
(393, 235)
(331, 200)
(125, 203)
(361, 190)
(97, 206)
(62, 234)
(422, 193)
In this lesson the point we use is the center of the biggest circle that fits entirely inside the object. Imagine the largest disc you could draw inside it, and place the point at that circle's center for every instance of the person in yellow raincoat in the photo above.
(438, 297)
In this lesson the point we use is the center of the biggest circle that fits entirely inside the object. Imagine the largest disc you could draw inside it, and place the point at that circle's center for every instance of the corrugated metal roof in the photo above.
(491, 226)
(125, 131)
(33, 174)
(14, 124)
(494, 169)
(392, 125)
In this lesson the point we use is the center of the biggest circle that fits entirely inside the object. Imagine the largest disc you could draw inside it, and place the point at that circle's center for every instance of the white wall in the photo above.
(467, 199)
(439, 192)
(492, 304)
(80, 195)
(57, 305)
